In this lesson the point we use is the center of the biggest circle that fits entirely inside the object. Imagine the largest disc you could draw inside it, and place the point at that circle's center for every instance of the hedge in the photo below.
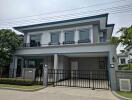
(15, 81)
(125, 67)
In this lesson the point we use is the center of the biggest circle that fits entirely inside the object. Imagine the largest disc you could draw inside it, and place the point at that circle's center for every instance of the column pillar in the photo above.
(55, 67)
(55, 61)
(76, 36)
(15, 66)
(62, 37)
(112, 68)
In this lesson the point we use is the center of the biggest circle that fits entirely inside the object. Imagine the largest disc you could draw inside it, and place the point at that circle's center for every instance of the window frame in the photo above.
(71, 41)
(55, 43)
(89, 40)
(124, 62)
(36, 43)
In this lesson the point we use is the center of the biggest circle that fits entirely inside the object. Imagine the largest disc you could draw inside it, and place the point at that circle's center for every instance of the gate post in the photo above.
(92, 78)
(45, 75)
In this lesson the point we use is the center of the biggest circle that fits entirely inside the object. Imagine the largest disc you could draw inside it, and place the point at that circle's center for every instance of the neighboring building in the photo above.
(126, 56)
(75, 44)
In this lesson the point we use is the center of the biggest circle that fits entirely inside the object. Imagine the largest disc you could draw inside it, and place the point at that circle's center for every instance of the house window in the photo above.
(31, 63)
(102, 37)
(84, 36)
(35, 40)
(123, 61)
(69, 37)
(54, 38)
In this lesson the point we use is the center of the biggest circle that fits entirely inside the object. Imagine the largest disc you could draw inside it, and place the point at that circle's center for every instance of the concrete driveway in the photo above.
(58, 93)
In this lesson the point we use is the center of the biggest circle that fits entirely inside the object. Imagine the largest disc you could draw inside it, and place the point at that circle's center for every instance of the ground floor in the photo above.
(58, 93)
(84, 61)
(91, 70)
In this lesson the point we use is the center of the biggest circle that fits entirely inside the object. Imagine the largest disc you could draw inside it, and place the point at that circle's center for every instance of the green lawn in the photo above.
(125, 94)
(20, 87)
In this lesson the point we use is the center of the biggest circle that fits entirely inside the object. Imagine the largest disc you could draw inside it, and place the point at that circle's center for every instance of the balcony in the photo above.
(27, 45)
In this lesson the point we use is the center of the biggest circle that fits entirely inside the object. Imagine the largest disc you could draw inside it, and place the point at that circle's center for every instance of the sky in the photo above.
(26, 12)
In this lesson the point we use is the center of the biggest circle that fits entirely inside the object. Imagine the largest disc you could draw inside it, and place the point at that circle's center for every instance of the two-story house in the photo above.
(75, 44)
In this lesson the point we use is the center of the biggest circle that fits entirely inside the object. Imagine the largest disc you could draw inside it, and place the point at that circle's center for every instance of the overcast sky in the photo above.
(25, 12)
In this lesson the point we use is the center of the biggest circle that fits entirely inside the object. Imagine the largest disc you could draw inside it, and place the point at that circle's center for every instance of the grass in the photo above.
(20, 86)
(125, 94)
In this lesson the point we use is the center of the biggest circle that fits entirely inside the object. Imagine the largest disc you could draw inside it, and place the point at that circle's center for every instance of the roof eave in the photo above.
(20, 28)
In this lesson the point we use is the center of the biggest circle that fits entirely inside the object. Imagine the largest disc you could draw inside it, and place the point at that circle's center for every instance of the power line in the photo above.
(115, 11)
(100, 4)
(112, 13)
(111, 9)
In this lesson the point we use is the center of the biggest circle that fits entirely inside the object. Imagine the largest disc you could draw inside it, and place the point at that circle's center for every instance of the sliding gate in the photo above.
(95, 79)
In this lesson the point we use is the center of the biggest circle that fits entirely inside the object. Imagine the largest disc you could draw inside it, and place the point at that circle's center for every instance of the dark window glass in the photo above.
(103, 37)
(35, 40)
(32, 63)
(55, 38)
(123, 61)
(84, 35)
(69, 37)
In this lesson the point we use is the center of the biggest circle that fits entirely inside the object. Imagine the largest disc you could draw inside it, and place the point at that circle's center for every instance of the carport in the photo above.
(87, 70)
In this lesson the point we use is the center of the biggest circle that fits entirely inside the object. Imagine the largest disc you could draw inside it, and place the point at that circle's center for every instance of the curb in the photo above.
(24, 90)
(120, 97)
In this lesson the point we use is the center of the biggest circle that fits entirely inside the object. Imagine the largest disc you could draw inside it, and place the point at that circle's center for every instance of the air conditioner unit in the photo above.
(125, 84)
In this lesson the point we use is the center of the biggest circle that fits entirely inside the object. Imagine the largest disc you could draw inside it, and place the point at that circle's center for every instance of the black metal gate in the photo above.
(95, 79)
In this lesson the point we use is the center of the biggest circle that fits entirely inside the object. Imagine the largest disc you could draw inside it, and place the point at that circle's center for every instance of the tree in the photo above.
(126, 37)
(9, 41)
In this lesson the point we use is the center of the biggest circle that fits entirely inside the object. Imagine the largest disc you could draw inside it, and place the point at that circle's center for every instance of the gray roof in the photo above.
(21, 28)
(122, 54)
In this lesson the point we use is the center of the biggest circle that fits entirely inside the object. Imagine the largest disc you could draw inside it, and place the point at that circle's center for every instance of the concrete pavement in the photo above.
(58, 93)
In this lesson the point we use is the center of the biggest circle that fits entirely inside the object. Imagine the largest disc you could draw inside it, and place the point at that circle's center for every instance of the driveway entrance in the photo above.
(58, 93)
(95, 79)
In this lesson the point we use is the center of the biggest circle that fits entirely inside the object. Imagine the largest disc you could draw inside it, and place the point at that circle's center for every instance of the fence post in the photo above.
(92, 78)
(45, 75)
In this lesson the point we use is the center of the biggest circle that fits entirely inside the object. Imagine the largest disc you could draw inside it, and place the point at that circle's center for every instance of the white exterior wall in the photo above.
(45, 35)
(126, 59)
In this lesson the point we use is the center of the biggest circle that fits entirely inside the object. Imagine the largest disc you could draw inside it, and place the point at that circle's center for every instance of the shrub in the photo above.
(125, 67)
(15, 81)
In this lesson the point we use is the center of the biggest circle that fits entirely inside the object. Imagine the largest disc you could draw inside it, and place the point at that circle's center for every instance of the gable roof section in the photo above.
(29, 27)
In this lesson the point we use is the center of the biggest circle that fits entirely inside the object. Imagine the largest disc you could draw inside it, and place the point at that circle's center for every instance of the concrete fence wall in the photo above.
(123, 74)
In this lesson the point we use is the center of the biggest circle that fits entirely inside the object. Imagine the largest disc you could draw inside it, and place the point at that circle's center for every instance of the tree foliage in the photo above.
(125, 38)
(9, 41)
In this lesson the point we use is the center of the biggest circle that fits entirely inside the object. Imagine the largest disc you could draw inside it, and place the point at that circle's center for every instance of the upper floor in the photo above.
(90, 30)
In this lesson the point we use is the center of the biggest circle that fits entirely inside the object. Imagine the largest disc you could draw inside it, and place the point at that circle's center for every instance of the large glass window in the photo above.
(32, 63)
(55, 38)
(35, 40)
(69, 37)
(84, 36)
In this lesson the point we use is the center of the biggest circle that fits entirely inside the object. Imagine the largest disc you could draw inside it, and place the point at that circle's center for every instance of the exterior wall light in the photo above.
(112, 65)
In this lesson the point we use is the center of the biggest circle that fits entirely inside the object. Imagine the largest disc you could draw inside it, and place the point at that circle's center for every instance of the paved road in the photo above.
(58, 93)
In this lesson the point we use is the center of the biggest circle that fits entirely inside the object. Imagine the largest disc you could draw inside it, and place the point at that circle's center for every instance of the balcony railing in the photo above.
(84, 41)
(54, 44)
